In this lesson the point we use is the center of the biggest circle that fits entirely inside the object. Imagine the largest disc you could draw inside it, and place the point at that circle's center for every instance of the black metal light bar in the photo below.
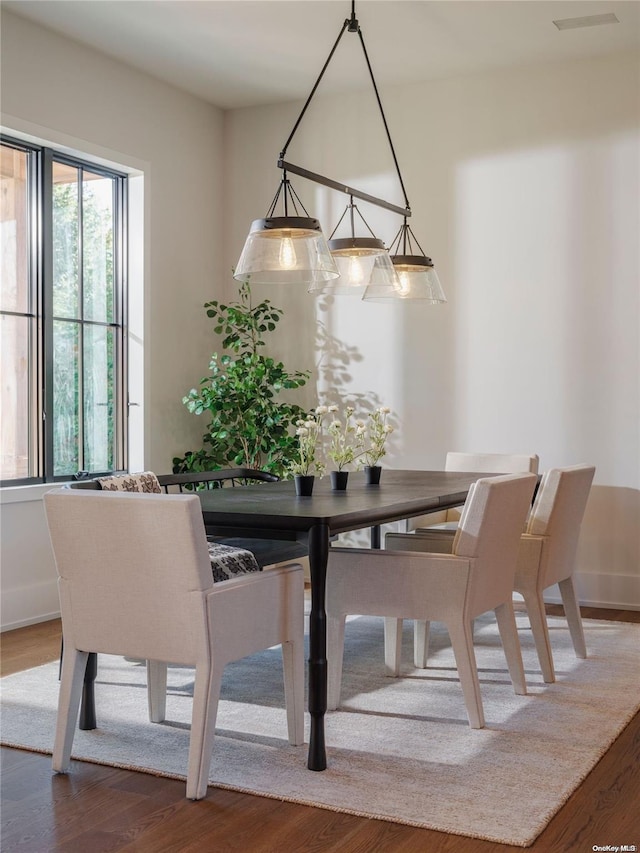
(336, 185)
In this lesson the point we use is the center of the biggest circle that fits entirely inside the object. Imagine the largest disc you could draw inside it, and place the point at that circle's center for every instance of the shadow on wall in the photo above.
(334, 359)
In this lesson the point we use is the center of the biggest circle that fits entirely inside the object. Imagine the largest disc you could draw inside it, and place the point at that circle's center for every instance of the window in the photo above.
(62, 315)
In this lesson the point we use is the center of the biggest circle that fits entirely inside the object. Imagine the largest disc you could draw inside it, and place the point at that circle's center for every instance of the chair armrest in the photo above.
(530, 553)
(255, 611)
(395, 583)
(436, 517)
(440, 542)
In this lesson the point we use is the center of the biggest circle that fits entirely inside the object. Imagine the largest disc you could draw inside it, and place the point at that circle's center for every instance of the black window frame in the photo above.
(41, 288)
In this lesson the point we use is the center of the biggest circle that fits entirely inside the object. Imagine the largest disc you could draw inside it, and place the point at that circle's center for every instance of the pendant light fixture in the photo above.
(282, 249)
(291, 248)
(418, 279)
(361, 261)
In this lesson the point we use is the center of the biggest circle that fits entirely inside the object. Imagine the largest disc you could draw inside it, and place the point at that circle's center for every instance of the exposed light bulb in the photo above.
(356, 274)
(287, 255)
(405, 283)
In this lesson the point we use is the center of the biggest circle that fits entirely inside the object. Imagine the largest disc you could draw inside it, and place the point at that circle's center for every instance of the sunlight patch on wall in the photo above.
(545, 332)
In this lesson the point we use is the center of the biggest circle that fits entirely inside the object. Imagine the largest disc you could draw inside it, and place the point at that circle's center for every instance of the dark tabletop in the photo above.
(275, 507)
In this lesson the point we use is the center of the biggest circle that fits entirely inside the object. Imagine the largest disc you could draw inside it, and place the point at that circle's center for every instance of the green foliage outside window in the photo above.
(249, 424)
(97, 406)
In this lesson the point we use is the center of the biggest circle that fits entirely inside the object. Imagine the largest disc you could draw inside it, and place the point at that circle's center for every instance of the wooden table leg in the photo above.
(318, 556)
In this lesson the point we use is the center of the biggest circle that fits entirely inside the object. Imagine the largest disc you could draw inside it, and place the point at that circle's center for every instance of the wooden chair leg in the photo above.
(335, 653)
(538, 621)
(392, 646)
(420, 643)
(572, 612)
(511, 644)
(462, 642)
(73, 668)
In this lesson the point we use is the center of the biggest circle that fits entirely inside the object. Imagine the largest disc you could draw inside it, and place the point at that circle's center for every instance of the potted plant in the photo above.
(249, 425)
(346, 442)
(306, 464)
(377, 435)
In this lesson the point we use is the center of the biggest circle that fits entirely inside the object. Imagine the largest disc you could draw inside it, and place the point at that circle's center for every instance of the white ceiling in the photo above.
(237, 53)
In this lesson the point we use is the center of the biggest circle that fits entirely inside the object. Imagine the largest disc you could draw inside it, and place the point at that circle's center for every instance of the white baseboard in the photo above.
(615, 592)
(35, 620)
(28, 605)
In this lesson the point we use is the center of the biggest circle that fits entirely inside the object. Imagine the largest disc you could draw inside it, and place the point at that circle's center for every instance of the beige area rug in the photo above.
(398, 749)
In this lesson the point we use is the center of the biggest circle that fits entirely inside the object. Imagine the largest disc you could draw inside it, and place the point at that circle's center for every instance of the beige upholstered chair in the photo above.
(546, 556)
(446, 521)
(548, 552)
(135, 579)
(441, 526)
(229, 556)
(451, 588)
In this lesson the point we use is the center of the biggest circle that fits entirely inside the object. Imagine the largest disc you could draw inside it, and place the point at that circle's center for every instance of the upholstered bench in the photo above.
(227, 561)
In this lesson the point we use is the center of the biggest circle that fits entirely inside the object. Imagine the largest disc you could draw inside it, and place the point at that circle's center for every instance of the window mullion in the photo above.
(46, 296)
(81, 407)
(122, 318)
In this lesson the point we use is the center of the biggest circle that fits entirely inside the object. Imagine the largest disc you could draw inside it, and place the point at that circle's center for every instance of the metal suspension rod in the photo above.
(384, 119)
(339, 221)
(353, 26)
(273, 204)
(316, 84)
(294, 197)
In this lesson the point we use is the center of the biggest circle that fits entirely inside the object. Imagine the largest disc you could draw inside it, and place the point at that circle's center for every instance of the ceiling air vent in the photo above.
(588, 21)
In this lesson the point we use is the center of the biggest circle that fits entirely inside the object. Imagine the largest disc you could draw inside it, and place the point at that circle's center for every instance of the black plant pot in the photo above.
(372, 474)
(339, 480)
(304, 485)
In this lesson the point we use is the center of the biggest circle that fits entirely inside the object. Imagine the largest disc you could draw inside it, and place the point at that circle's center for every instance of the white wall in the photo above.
(524, 187)
(69, 95)
(525, 190)
(72, 92)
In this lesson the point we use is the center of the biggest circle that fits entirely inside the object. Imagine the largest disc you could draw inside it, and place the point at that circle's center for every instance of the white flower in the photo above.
(309, 424)
(332, 409)
(302, 431)
(349, 410)
(360, 430)
(300, 422)
(335, 424)
(321, 410)
(360, 422)
(388, 429)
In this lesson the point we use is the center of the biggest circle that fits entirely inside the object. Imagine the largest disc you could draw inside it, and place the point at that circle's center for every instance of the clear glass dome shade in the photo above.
(384, 282)
(355, 265)
(419, 280)
(285, 250)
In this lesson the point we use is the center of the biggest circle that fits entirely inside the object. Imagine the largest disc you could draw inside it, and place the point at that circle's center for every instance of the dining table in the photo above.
(273, 510)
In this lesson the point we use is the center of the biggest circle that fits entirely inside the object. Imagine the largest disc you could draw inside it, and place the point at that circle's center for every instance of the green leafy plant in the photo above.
(248, 424)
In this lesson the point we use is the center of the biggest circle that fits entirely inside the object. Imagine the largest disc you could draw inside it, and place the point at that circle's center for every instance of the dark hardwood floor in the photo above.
(97, 809)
